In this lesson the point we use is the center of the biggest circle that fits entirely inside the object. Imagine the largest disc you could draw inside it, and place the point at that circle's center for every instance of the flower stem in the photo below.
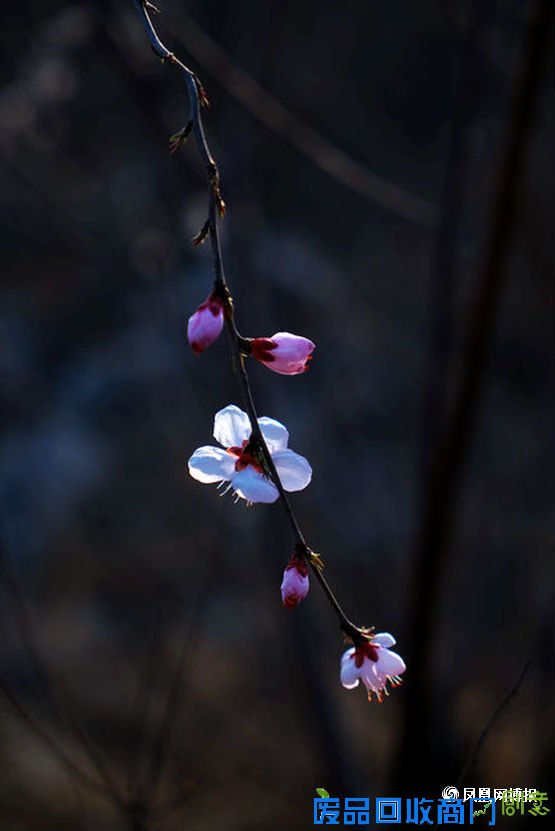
(216, 210)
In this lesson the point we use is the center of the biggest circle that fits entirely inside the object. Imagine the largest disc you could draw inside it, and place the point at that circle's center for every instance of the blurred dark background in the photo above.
(359, 216)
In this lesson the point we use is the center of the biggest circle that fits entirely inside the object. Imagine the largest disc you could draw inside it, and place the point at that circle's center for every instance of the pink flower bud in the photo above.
(284, 353)
(206, 323)
(294, 586)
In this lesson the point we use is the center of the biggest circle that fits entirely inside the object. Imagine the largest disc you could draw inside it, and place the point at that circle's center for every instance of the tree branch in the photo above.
(216, 210)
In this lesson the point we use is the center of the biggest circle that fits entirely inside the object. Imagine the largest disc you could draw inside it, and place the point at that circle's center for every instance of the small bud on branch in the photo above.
(179, 138)
(202, 235)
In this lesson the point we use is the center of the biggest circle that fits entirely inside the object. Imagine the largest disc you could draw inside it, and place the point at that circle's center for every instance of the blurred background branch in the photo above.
(278, 118)
(454, 440)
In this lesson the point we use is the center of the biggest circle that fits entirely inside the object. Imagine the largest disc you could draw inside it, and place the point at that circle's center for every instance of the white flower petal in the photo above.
(348, 654)
(384, 639)
(349, 673)
(373, 681)
(293, 470)
(231, 426)
(389, 663)
(253, 486)
(275, 434)
(211, 464)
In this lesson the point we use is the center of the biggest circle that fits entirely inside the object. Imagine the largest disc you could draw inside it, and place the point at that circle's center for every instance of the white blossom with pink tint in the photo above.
(237, 463)
(284, 353)
(374, 664)
(295, 584)
(206, 324)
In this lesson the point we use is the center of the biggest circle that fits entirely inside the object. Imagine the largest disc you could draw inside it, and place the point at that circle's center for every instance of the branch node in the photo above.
(199, 238)
(315, 560)
(179, 138)
(304, 552)
(202, 96)
(217, 194)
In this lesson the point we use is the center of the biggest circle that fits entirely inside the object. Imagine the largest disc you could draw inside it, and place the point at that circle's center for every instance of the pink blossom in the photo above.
(294, 586)
(284, 353)
(374, 664)
(206, 323)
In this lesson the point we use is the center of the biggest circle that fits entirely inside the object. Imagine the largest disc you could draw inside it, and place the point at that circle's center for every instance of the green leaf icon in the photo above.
(322, 792)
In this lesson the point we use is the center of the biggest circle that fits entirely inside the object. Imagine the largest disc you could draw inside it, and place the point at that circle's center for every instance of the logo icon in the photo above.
(450, 792)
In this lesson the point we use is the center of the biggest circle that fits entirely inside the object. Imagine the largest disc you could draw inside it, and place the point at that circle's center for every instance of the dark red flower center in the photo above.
(245, 457)
(366, 650)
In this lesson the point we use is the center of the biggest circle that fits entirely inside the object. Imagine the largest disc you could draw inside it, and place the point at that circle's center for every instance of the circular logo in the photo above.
(450, 792)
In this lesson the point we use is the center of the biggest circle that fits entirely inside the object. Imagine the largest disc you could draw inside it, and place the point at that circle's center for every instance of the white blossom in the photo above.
(237, 462)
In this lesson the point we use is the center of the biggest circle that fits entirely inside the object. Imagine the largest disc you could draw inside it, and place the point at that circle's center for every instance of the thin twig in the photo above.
(491, 721)
(158, 749)
(141, 701)
(216, 209)
(51, 691)
(71, 767)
